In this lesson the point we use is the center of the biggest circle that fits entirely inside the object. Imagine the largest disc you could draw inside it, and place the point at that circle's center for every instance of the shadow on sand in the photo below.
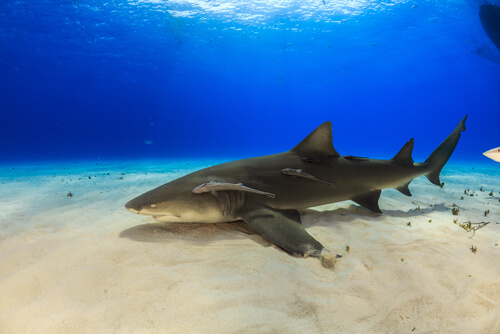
(206, 233)
(193, 232)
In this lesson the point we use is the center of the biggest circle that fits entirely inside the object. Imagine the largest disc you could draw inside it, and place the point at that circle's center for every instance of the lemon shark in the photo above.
(267, 192)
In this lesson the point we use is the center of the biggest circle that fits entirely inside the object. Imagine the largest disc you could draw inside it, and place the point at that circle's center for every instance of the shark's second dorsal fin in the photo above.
(318, 143)
(404, 155)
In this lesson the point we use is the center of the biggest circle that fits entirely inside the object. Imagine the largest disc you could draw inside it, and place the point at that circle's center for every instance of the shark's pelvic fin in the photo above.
(369, 200)
(318, 144)
(442, 153)
(284, 229)
(404, 155)
(404, 189)
(213, 187)
(302, 174)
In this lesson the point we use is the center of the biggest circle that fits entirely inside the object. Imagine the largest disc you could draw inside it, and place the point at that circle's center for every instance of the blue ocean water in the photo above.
(141, 79)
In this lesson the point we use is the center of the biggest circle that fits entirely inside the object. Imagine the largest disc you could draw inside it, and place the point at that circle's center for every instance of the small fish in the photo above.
(149, 142)
(300, 173)
(493, 154)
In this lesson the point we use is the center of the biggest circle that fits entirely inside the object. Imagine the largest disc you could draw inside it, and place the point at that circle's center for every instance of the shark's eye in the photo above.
(153, 206)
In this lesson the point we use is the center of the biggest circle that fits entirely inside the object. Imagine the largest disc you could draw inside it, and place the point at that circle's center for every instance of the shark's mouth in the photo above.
(133, 210)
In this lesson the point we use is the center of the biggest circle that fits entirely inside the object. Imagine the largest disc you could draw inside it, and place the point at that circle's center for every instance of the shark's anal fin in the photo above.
(214, 187)
(284, 229)
(300, 173)
(369, 200)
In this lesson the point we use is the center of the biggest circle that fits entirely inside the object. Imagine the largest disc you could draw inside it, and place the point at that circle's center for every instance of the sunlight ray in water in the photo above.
(259, 11)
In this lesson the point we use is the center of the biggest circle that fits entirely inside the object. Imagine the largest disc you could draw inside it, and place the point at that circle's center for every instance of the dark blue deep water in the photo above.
(117, 79)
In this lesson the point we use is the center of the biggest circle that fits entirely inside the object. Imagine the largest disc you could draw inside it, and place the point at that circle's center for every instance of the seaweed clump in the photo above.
(470, 226)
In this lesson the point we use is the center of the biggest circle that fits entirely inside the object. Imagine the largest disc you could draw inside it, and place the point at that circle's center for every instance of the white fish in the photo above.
(493, 154)
(149, 142)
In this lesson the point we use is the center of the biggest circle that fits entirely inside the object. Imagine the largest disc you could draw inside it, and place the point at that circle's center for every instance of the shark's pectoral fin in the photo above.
(369, 200)
(284, 229)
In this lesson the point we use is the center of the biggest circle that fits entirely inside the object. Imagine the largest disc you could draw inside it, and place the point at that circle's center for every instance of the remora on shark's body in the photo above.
(267, 191)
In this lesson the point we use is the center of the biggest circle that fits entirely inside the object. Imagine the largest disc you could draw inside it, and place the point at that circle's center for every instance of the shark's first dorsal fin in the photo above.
(404, 155)
(318, 143)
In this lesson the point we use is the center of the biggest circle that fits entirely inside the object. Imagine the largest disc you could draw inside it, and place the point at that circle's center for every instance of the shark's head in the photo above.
(175, 202)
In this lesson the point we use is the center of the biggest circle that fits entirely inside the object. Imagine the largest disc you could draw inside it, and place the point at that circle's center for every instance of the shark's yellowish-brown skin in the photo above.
(267, 192)
(493, 154)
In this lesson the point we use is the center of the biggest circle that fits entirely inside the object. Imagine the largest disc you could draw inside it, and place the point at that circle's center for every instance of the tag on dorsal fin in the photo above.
(404, 189)
(318, 144)
(369, 200)
(404, 155)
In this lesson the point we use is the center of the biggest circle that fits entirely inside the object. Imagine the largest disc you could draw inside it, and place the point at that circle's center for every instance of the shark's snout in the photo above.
(140, 207)
(132, 206)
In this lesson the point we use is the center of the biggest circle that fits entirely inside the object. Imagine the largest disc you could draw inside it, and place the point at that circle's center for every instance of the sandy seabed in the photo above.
(83, 264)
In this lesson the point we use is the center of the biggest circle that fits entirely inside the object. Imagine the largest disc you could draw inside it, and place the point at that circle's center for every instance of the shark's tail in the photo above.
(442, 153)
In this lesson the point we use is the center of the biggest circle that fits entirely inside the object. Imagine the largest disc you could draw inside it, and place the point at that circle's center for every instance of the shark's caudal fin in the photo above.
(442, 153)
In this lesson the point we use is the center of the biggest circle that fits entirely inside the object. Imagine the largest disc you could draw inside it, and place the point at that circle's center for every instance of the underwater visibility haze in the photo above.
(122, 123)
(152, 79)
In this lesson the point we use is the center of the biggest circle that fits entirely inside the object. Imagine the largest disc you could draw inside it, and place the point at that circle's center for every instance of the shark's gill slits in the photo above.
(231, 202)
